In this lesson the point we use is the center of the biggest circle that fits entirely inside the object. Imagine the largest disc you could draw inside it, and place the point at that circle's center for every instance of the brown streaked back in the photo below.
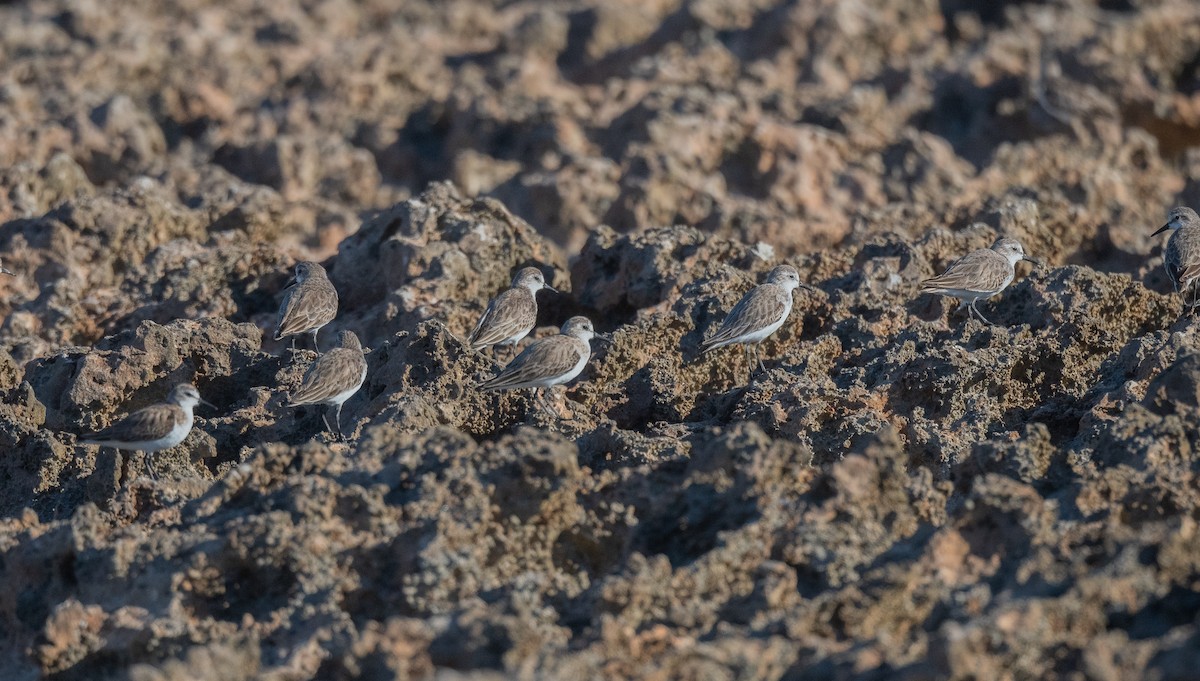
(982, 270)
(309, 304)
(335, 372)
(509, 314)
(545, 359)
(758, 309)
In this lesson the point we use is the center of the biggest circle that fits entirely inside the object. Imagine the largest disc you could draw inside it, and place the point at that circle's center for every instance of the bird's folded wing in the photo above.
(983, 270)
(1182, 259)
(333, 373)
(152, 423)
(305, 308)
(1184, 274)
(761, 307)
(547, 358)
(506, 316)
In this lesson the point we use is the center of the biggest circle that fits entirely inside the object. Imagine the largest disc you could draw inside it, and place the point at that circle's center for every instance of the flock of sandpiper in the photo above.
(311, 302)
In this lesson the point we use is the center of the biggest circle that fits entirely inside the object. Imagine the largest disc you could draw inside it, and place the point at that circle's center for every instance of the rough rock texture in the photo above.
(905, 493)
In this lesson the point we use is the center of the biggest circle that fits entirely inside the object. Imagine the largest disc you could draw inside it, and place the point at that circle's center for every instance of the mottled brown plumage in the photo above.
(1181, 257)
(511, 315)
(310, 303)
(980, 274)
(154, 428)
(144, 425)
(758, 314)
(549, 361)
(334, 377)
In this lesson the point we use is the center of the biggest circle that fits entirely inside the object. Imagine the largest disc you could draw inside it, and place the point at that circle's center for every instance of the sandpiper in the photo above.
(758, 314)
(153, 429)
(310, 303)
(511, 315)
(1181, 258)
(333, 378)
(548, 362)
(980, 274)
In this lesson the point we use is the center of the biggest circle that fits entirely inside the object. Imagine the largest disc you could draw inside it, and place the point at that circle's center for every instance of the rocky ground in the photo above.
(905, 493)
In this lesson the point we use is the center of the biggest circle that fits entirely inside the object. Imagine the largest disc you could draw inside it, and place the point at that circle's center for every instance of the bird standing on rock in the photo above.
(980, 274)
(333, 378)
(1181, 258)
(310, 303)
(548, 362)
(153, 429)
(511, 315)
(758, 314)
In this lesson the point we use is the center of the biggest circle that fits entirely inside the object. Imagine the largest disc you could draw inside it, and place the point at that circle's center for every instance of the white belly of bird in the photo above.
(346, 394)
(177, 435)
(562, 378)
(512, 340)
(968, 296)
(762, 334)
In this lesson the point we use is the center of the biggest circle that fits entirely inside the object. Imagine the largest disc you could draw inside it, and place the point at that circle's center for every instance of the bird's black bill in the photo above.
(1035, 261)
(604, 337)
(1162, 229)
(207, 403)
(550, 288)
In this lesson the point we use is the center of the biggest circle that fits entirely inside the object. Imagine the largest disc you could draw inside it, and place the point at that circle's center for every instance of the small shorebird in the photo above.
(310, 303)
(980, 274)
(548, 362)
(333, 378)
(758, 314)
(1181, 257)
(511, 315)
(153, 429)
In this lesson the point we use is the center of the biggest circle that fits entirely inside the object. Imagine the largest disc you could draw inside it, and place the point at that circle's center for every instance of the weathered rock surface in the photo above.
(904, 493)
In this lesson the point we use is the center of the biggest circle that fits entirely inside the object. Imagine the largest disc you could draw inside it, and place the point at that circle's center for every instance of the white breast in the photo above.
(762, 334)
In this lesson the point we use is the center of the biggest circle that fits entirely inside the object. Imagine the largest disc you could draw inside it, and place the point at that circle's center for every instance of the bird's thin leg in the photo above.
(337, 418)
(122, 471)
(315, 346)
(293, 346)
(149, 468)
(757, 355)
(546, 403)
(976, 310)
(326, 420)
